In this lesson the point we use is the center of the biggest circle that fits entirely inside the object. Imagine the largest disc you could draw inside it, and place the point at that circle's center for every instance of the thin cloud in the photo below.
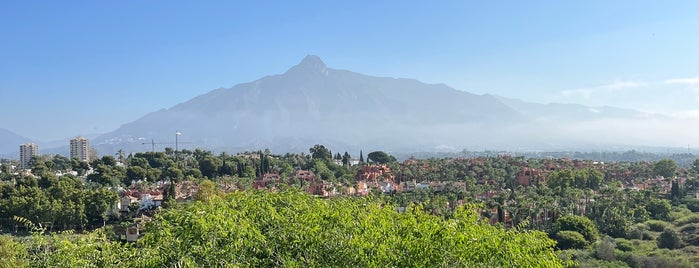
(588, 93)
(690, 81)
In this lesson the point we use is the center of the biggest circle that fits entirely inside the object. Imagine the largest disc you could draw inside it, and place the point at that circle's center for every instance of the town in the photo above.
(625, 201)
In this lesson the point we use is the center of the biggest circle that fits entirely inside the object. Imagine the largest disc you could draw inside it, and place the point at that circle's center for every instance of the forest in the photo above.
(197, 209)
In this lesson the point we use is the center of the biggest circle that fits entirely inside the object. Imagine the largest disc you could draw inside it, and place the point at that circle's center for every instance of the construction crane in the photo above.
(176, 143)
(153, 143)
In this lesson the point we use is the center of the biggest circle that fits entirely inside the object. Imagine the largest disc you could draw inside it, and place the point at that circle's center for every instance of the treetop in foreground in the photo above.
(292, 229)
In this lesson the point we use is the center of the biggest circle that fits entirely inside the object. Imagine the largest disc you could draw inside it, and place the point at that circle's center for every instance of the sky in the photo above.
(71, 68)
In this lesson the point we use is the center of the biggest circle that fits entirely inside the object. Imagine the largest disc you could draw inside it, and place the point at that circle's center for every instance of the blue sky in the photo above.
(72, 68)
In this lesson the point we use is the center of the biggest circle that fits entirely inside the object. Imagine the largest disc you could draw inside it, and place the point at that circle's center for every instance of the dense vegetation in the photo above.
(291, 229)
(452, 211)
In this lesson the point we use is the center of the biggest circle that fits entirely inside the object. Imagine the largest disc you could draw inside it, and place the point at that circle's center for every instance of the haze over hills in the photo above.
(10, 142)
(311, 103)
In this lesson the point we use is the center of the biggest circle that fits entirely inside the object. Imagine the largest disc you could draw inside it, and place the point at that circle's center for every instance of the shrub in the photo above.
(570, 240)
(624, 245)
(12, 254)
(694, 218)
(636, 231)
(657, 226)
(692, 204)
(579, 224)
(690, 234)
(669, 239)
(604, 249)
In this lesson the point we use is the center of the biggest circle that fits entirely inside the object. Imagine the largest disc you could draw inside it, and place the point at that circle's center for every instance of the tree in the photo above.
(109, 160)
(207, 191)
(98, 203)
(380, 157)
(659, 209)
(675, 191)
(134, 173)
(666, 168)
(320, 152)
(579, 224)
(361, 157)
(209, 166)
(695, 166)
(346, 158)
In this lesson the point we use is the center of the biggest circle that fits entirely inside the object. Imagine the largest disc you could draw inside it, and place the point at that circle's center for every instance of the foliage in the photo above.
(319, 151)
(292, 229)
(570, 240)
(579, 224)
(12, 254)
(659, 208)
(666, 168)
(380, 157)
(604, 249)
(669, 239)
(656, 225)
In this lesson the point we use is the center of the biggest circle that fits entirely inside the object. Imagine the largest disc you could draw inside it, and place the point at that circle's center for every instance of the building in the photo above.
(26, 152)
(80, 149)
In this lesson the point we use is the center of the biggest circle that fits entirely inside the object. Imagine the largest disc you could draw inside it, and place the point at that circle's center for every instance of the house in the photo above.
(264, 180)
(125, 202)
(408, 186)
(528, 176)
(349, 190)
(386, 187)
(373, 173)
(304, 175)
(362, 189)
(322, 189)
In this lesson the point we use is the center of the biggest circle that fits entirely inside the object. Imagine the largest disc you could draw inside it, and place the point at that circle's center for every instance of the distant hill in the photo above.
(567, 112)
(9, 147)
(311, 103)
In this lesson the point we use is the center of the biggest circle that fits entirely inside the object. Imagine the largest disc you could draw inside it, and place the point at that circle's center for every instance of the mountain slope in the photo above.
(311, 103)
(9, 146)
(566, 112)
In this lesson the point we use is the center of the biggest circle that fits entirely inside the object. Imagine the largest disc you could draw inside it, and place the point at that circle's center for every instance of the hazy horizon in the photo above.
(78, 69)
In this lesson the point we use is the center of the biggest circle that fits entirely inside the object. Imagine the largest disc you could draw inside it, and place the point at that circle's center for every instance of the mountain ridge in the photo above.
(311, 103)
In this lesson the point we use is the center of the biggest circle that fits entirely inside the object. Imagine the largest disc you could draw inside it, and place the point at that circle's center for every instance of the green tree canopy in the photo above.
(320, 152)
(579, 224)
(380, 157)
(666, 168)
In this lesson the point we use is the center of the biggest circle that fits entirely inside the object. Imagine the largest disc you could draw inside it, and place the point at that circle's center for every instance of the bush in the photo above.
(579, 224)
(624, 245)
(694, 218)
(570, 240)
(692, 204)
(636, 231)
(669, 239)
(604, 249)
(12, 254)
(657, 226)
(263, 229)
(593, 263)
(690, 234)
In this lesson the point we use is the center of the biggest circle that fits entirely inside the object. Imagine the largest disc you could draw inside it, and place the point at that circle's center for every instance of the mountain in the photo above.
(314, 104)
(311, 103)
(567, 112)
(10, 141)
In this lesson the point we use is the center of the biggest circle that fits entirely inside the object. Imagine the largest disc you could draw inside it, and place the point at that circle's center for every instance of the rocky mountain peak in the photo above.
(309, 64)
